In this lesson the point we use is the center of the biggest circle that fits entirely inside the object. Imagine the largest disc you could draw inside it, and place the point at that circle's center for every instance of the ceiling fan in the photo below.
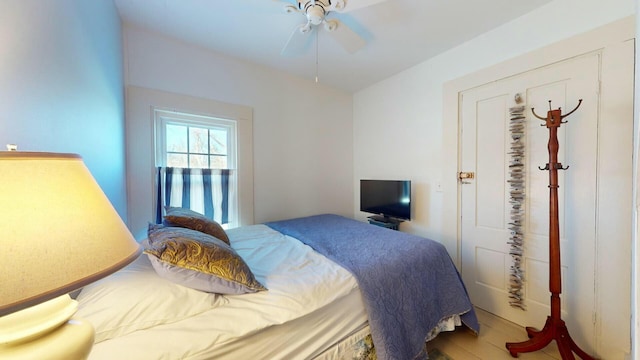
(316, 12)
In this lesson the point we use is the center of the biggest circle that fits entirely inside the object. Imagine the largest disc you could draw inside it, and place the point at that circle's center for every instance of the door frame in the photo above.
(609, 38)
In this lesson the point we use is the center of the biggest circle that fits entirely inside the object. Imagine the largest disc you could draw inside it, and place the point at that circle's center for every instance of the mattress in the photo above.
(311, 306)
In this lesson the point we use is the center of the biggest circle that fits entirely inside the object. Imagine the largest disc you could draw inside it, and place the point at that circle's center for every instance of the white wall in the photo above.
(635, 289)
(397, 123)
(303, 162)
(61, 84)
(406, 112)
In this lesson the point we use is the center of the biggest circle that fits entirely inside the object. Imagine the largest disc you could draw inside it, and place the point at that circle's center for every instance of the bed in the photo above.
(312, 304)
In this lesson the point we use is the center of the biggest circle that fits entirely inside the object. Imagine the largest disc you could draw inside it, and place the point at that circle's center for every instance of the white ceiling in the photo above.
(399, 33)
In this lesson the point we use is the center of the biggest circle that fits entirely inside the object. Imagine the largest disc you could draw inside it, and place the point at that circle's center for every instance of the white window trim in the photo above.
(162, 117)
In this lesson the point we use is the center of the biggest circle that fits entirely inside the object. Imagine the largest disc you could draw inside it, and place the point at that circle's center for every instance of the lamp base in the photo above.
(71, 341)
(62, 339)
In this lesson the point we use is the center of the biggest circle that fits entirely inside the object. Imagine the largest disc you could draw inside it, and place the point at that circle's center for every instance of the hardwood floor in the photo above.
(462, 344)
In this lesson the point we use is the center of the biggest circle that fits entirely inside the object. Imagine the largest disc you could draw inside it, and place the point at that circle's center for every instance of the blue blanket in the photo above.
(408, 283)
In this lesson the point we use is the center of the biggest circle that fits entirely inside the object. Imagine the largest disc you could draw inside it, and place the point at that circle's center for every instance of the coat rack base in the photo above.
(554, 329)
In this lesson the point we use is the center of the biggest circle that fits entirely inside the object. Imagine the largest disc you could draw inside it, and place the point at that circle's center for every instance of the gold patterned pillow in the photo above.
(199, 261)
(190, 219)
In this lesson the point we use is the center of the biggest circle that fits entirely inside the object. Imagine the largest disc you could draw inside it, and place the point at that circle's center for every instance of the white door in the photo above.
(485, 207)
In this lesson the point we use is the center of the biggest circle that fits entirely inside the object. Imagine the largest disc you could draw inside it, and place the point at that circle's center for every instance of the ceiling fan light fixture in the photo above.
(305, 28)
(290, 9)
(331, 25)
(316, 14)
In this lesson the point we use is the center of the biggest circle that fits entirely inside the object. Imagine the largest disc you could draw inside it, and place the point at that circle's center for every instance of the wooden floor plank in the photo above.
(489, 344)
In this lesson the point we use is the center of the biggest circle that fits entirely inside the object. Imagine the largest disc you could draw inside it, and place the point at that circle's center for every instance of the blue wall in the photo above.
(61, 84)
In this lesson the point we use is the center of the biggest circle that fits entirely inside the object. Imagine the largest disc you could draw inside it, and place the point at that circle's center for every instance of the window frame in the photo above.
(163, 117)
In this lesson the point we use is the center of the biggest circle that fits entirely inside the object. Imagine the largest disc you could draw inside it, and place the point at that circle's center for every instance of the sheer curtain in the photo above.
(206, 191)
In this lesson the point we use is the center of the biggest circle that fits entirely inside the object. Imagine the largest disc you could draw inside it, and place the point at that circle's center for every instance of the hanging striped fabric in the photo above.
(206, 191)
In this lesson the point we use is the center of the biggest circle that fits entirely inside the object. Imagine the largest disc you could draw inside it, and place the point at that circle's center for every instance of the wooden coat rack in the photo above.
(554, 328)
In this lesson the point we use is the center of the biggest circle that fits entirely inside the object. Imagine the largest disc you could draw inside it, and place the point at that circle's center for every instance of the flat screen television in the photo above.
(386, 198)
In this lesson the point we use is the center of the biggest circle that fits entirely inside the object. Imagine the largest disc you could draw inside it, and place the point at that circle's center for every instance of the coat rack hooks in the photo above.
(559, 110)
(558, 166)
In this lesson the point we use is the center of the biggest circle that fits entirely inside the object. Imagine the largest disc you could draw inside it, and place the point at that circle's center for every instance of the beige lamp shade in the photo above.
(58, 231)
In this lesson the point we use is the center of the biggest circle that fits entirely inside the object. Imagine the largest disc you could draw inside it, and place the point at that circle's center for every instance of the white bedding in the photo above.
(314, 302)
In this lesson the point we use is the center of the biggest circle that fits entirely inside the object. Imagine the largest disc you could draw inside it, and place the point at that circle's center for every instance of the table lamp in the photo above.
(58, 232)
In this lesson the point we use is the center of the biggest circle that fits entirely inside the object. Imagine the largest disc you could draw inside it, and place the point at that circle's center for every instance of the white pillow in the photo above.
(136, 298)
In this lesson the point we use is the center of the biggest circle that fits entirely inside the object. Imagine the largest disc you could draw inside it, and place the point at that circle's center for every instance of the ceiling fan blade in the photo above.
(298, 41)
(351, 5)
(346, 37)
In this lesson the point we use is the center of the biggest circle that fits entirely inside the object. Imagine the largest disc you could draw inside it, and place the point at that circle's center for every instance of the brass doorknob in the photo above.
(463, 175)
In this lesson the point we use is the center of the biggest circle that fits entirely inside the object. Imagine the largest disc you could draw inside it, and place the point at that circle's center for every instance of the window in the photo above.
(194, 141)
(144, 137)
(196, 160)
(196, 147)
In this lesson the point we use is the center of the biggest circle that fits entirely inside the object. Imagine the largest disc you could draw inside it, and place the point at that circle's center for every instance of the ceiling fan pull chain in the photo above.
(317, 56)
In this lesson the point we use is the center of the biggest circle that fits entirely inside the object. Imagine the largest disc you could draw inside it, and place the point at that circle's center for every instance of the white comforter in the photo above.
(189, 324)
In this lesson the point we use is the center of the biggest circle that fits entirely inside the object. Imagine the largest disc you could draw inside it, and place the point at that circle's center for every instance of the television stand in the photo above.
(384, 221)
